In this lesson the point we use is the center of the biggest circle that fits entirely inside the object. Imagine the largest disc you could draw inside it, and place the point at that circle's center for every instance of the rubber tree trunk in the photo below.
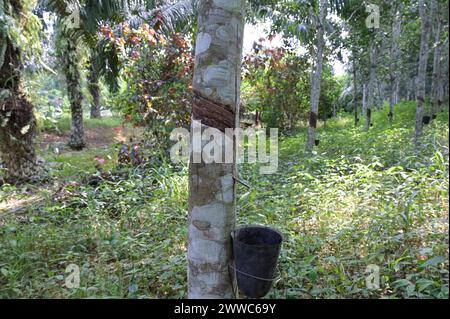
(355, 90)
(397, 91)
(94, 90)
(372, 83)
(395, 57)
(443, 76)
(17, 123)
(364, 101)
(437, 26)
(422, 70)
(212, 188)
(73, 81)
(317, 75)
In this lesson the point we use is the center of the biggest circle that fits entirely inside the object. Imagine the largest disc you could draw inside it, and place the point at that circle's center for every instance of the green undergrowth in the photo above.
(360, 199)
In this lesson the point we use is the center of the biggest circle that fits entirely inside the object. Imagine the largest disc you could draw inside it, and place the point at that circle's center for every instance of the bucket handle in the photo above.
(252, 276)
(242, 182)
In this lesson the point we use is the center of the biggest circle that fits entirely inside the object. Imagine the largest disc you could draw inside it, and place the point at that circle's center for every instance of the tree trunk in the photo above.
(372, 83)
(364, 101)
(437, 26)
(408, 90)
(17, 123)
(94, 90)
(422, 70)
(73, 81)
(397, 91)
(212, 186)
(355, 91)
(443, 77)
(395, 57)
(317, 76)
(412, 85)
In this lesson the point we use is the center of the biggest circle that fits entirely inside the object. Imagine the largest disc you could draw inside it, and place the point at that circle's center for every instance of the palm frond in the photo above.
(173, 16)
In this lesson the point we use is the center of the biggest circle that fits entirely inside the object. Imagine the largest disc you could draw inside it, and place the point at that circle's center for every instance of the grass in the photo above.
(63, 123)
(70, 165)
(360, 199)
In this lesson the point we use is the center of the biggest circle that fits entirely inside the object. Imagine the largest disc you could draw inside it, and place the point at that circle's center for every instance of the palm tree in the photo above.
(68, 44)
(17, 120)
(94, 86)
(92, 14)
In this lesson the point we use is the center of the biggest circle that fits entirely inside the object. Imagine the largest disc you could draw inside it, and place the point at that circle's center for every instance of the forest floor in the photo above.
(360, 201)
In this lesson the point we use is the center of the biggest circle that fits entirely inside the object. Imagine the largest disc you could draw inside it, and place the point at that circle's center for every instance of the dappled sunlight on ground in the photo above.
(359, 199)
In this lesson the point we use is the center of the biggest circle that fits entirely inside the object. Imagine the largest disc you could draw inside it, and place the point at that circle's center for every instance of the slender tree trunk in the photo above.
(94, 90)
(212, 186)
(317, 76)
(412, 88)
(434, 100)
(395, 57)
(355, 90)
(73, 81)
(397, 91)
(364, 102)
(372, 84)
(17, 123)
(422, 70)
(443, 76)
(408, 90)
(380, 97)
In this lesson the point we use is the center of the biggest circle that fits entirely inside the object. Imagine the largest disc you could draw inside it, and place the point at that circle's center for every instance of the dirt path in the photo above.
(96, 138)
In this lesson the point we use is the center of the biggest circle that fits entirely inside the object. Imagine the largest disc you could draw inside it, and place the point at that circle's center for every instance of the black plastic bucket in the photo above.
(256, 250)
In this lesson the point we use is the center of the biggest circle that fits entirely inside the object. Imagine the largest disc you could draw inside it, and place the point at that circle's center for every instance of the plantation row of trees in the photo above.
(166, 62)
(144, 51)
(119, 42)
(113, 35)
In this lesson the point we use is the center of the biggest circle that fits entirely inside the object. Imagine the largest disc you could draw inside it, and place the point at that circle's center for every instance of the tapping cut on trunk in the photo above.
(212, 113)
(422, 70)
(313, 118)
(426, 120)
(212, 186)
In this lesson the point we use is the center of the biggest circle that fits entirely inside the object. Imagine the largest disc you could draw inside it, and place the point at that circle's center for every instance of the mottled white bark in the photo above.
(371, 88)
(397, 91)
(364, 102)
(317, 76)
(395, 57)
(437, 26)
(422, 70)
(212, 186)
(355, 90)
(443, 75)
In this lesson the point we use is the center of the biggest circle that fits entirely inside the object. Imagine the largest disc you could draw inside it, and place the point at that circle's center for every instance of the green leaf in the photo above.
(433, 261)
(402, 283)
